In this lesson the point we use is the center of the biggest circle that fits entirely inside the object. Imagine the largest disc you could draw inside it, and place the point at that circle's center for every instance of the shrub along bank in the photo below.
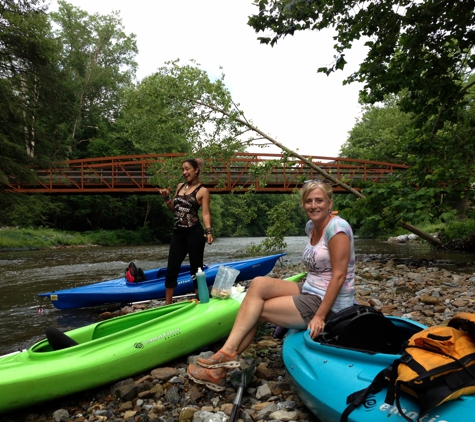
(44, 238)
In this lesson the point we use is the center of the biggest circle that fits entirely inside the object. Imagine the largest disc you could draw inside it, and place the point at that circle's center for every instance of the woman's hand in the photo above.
(165, 192)
(209, 238)
(316, 326)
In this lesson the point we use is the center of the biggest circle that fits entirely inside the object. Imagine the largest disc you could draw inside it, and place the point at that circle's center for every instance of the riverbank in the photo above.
(424, 293)
(26, 239)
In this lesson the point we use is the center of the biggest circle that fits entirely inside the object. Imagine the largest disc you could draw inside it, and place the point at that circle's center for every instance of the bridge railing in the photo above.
(269, 173)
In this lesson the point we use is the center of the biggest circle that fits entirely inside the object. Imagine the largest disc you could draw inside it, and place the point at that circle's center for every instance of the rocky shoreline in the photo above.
(423, 293)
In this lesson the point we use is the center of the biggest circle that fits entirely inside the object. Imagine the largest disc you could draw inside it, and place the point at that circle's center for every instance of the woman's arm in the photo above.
(167, 198)
(206, 215)
(339, 248)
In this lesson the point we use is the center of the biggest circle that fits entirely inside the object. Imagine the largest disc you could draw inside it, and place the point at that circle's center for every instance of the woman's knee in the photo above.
(259, 284)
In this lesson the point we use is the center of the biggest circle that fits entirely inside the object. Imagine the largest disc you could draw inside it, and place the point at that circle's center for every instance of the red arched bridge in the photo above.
(132, 173)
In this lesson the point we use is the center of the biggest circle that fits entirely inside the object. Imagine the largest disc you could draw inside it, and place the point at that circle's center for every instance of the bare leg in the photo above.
(267, 300)
(169, 295)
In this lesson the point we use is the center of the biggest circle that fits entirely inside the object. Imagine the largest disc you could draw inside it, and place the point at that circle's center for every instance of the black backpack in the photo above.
(362, 327)
(134, 274)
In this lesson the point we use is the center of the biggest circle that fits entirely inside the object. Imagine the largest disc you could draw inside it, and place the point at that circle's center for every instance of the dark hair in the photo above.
(196, 163)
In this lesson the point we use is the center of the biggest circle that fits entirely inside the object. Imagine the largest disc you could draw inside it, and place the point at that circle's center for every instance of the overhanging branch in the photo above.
(426, 236)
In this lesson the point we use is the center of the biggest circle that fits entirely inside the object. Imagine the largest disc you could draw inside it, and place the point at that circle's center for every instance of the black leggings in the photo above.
(186, 241)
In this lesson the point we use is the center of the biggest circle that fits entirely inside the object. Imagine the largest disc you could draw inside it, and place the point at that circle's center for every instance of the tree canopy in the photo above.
(67, 90)
(423, 46)
(25, 76)
(172, 111)
(97, 59)
(379, 134)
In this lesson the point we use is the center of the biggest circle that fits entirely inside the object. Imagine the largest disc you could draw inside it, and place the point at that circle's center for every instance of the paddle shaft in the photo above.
(237, 404)
(174, 297)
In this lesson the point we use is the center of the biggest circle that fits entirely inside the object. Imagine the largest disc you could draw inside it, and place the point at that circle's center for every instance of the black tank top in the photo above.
(186, 209)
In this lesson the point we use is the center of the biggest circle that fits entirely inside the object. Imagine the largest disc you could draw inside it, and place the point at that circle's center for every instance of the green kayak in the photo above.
(112, 350)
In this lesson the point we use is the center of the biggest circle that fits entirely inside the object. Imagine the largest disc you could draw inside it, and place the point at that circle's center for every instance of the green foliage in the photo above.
(97, 60)
(410, 46)
(31, 91)
(436, 187)
(241, 210)
(418, 84)
(120, 237)
(25, 210)
(43, 238)
(282, 222)
(457, 230)
(386, 205)
(379, 134)
(174, 110)
(129, 212)
(39, 238)
(218, 208)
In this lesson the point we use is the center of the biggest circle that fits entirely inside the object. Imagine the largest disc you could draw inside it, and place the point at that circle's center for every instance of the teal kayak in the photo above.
(325, 375)
(112, 350)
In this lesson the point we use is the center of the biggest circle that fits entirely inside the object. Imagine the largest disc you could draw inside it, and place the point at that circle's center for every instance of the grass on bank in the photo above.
(44, 238)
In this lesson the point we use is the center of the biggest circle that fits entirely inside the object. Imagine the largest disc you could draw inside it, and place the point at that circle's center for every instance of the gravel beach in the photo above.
(422, 293)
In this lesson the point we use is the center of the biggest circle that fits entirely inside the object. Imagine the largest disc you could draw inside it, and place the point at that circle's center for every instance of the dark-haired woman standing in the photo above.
(189, 237)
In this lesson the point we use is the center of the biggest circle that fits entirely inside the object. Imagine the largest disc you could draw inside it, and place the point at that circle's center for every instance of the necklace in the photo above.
(187, 186)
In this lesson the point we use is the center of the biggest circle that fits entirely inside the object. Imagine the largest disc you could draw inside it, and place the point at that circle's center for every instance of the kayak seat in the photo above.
(371, 333)
(58, 340)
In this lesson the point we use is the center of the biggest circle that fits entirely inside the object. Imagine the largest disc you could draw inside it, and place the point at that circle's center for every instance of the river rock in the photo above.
(164, 374)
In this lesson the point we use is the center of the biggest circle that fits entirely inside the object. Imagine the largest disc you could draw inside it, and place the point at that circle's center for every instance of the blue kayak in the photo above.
(121, 291)
(325, 375)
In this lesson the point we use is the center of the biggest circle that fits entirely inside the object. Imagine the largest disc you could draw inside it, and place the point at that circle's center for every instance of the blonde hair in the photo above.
(311, 185)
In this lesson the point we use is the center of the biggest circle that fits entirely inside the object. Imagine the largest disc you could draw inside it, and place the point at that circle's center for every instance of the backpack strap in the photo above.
(464, 321)
(357, 398)
(394, 388)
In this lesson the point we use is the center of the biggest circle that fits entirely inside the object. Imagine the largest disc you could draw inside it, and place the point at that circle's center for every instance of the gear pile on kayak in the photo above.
(360, 377)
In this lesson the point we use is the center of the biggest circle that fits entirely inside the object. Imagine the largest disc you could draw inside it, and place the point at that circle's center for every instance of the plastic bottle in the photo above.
(203, 291)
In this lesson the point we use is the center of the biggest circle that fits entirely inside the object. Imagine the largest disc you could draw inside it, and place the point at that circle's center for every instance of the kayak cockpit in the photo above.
(57, 340)
(386, 335)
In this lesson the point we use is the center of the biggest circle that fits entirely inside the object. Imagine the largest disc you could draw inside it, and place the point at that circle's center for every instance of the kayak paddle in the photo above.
(240, 379)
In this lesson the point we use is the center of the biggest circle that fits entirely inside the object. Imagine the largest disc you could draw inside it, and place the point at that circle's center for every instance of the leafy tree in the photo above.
(94, 61)
(434, 189)
(26, 79)
(169, 112)
(98, 61)
(421, 54)
(33, 107)
(179, 109)
(380, 134)
(424, 47)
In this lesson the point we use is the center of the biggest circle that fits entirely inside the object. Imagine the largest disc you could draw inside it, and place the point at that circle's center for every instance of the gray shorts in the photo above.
(308, 304)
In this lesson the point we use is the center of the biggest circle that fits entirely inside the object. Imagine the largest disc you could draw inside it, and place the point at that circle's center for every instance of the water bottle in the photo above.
(203, 291)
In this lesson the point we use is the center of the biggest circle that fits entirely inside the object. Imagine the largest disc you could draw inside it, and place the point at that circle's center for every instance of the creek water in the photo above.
(27, 273)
